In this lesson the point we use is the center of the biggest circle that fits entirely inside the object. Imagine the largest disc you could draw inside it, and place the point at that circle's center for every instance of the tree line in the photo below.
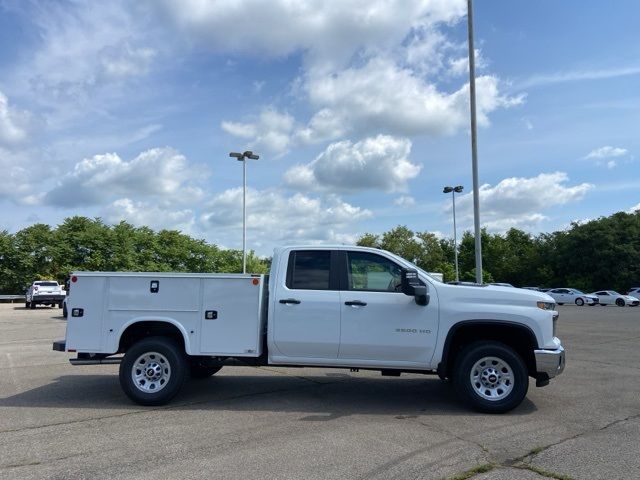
(80, 243)
(599, 254)
(603, 253)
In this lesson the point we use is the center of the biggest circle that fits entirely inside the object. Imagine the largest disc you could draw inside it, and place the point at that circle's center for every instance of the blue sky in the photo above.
(359, 111)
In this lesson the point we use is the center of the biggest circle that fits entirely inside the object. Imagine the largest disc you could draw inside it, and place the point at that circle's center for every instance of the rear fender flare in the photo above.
(152, 318)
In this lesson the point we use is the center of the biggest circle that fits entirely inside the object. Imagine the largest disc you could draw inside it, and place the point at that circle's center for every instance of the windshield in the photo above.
(47, 284)
(577, 291)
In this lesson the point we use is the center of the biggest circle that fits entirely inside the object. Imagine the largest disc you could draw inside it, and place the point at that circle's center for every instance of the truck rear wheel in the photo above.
(153, 371)
(491, 377)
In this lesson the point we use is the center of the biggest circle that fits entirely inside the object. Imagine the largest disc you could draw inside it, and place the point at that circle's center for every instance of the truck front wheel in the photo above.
(491, 377)
(153, 371)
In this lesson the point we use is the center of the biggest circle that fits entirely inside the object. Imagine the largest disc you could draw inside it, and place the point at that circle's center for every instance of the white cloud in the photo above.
(156, 216)
(84, 47)
(124, 60)
(460, 66)
(577, 76)
(14, 124)
(274, 218)
(271, 131)
(238, 129)
(368, 67)
(17, 182)
(604, 156)
(162, 173)
(520, 202)
(327, 31)
(523, 222)
(378, 163)
(404, 201)
(634, 209)
(606, 152)
(360, 99)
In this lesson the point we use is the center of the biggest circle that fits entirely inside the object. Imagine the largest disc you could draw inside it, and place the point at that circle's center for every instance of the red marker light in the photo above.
(255, 281)
(74, 279)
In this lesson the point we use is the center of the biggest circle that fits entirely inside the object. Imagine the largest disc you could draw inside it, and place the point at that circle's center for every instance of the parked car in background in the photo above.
(571, 295)
(611, 297)
(44, 292)
(634, 292)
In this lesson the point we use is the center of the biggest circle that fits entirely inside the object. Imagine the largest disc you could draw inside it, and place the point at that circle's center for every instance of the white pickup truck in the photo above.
(337, 307)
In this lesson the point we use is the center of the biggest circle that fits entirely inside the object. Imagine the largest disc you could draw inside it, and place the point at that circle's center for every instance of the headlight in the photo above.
(546, 305)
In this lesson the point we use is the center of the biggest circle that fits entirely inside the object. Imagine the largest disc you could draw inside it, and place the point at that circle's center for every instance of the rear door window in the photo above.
(309, 270)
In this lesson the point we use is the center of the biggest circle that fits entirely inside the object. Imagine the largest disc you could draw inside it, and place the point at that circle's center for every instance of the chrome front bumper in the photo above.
(549, 363)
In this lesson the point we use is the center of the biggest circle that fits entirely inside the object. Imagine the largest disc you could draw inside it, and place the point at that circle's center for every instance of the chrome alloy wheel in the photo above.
(492, 378)
(151, 372)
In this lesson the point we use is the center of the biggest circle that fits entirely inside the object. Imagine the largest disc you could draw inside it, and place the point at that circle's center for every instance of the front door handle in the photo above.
(290, 300)
(356, 303)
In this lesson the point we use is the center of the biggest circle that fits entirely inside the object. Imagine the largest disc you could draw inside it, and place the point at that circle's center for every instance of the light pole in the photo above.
(242, 157)
(474, 144)
(453, 191)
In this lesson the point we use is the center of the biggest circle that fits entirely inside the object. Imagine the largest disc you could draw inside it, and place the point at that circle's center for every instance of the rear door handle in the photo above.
(290, 300)
(356, 303)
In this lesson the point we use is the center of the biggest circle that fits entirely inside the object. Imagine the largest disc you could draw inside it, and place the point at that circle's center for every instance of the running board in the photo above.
(95, 361)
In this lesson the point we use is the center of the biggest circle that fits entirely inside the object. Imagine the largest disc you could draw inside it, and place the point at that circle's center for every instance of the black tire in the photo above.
(64, 310)
(579, 302)
(60, 305)
(177, 363)
(32, 305)
(27, 304)
(620, 302)
(560, 303)
(475, 352)
(199, 371)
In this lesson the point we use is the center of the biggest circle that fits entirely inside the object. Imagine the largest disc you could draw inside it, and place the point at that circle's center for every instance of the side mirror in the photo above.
(411, 286)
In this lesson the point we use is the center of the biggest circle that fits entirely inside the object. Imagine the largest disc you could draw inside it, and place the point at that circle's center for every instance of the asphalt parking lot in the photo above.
(60, 421)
